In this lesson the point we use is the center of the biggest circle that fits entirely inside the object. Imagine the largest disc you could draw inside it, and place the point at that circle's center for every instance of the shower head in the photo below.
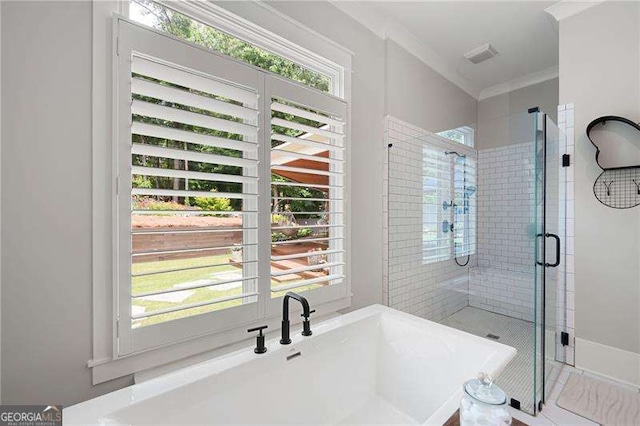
(454, 152)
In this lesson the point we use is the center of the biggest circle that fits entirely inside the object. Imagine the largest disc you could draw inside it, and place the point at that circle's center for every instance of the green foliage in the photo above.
(186, 28)
(304, 232)
(280, 219)
(279, 236)
(218, 204)
(181, 26)
(148, 203)
(286, 193)
(282, 236)
(141, 182)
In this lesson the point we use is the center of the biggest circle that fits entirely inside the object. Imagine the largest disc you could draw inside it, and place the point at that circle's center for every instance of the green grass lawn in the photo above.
(168, 280)
(165, 281)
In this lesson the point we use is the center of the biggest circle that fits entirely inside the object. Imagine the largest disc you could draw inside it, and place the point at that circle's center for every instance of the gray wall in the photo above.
(46, 173)
(600, 74)
(503, 119)
(46, 209)
(420, 96)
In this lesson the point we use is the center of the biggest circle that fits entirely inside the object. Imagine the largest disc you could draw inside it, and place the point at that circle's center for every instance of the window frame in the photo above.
(131, 38)
(467, 133)
(105, 363)
(223, 20)
(299, 94)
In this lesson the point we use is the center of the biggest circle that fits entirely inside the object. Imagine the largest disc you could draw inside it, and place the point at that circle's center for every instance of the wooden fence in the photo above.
(172, 240)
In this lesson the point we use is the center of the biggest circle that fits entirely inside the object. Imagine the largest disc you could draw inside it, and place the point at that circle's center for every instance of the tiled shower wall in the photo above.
(503, 280)
(499, 280)
(505, 207)
(433, 290)
(566, 296)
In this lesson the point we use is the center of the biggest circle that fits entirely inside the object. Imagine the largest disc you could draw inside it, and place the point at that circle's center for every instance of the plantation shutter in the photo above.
(307, 164)
(188, 191)
(464, 196)
(231, 189)
(436, 217)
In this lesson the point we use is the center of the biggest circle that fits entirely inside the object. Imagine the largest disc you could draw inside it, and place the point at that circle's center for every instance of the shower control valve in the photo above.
(447, 226)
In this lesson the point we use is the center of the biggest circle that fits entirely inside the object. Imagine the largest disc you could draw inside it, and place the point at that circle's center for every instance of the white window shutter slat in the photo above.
(308, 176)
(190, 132)
(202, 149)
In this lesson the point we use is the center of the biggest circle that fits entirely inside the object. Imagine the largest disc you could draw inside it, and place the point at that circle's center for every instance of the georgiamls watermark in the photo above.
(30, 415)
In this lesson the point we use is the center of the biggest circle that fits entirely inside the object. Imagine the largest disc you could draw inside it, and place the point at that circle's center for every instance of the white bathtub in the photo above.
(372, 366)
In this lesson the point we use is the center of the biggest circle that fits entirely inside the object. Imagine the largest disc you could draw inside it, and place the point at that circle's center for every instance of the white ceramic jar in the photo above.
(483, 403)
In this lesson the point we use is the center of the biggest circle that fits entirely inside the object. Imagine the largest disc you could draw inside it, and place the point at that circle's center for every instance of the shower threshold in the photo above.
(517, 378)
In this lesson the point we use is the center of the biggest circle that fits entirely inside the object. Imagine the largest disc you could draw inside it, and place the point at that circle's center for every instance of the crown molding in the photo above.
(408, 41)
(567, 8)
(519, 83)
(364, 15)
(388, 29)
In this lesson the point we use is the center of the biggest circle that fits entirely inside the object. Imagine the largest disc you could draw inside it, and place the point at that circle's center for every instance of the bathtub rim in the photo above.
(99, 409)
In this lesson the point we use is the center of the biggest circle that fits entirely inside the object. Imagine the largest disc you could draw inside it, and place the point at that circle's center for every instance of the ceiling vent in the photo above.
(481, 54)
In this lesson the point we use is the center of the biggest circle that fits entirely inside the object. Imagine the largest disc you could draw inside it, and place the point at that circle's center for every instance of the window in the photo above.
(307, 183)
(449, 209)
(463, 135)
(182, 26)
(436, 185)
(194, 193)
(216, 217)
(464, 205)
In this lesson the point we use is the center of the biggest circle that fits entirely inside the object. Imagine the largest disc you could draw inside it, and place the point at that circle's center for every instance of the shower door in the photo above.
(549, 266)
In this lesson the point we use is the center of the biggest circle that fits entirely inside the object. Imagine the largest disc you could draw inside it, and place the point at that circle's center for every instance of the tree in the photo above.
(181, 26)
(188, 29)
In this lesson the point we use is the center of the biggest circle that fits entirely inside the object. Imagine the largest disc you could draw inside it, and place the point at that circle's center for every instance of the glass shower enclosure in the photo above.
(474, 240)
(549, 277)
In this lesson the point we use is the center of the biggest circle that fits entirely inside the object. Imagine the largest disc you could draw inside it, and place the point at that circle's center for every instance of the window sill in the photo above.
(248, 344)
(178, 355)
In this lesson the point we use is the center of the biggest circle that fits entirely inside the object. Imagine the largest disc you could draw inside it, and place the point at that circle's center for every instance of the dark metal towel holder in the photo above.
(616, 187)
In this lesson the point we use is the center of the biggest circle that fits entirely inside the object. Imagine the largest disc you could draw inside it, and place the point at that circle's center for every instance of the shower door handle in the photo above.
(537, 261)
(557, 262)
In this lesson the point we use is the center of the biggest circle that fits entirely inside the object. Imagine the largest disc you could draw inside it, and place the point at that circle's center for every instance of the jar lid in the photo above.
(483, 390)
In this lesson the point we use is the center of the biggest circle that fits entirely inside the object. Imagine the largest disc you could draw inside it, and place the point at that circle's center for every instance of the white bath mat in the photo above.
(600, 401)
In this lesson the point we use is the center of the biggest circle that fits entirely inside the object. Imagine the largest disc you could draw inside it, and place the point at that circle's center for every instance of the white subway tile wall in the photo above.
(566, 295)
(503, 281)
(505, 207)
(500, 278)
(502, 291)
(429, 290)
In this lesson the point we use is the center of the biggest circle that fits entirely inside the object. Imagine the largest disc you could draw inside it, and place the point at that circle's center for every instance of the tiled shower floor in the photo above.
(517, 378)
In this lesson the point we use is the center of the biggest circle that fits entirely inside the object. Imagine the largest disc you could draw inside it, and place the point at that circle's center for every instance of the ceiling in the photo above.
(525, 36)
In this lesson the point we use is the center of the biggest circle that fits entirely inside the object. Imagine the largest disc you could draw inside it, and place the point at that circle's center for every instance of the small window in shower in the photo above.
(463, 135)
(436, 196)
(448, 204)
(464, 206)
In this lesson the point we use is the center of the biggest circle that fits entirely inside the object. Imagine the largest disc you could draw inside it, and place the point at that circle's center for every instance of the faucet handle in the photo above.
(310, 312)
(260, 346)
(260, 328)
(306, 325)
